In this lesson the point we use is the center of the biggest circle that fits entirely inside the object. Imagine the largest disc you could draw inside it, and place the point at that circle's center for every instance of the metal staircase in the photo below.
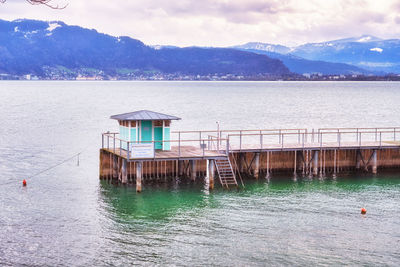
(225, 172)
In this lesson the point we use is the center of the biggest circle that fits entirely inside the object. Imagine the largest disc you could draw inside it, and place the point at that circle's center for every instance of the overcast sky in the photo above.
(222, 22)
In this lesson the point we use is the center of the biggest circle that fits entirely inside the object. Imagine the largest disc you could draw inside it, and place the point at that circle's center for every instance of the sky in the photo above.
(221, 23)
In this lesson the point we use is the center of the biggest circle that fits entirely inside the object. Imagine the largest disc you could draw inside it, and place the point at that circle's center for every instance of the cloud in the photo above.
(222, 22)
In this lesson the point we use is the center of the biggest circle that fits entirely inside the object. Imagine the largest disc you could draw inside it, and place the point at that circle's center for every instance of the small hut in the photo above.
(146, 126)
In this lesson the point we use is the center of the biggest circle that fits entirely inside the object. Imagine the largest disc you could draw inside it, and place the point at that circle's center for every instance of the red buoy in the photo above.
(24, 182)
(363, 211)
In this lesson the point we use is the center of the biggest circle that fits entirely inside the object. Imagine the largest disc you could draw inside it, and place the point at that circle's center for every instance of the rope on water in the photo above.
(76, 155)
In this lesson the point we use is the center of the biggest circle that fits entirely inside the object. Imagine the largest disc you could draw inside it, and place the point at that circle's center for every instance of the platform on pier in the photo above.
(183, 152)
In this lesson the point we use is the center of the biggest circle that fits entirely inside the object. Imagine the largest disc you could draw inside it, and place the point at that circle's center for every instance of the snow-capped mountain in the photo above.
(281, 49)
(366, 52)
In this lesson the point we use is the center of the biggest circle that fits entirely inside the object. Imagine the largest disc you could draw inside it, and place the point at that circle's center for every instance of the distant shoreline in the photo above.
(327, 78)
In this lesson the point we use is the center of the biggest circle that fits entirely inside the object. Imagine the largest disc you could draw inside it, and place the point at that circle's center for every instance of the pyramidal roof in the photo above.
(143, 115)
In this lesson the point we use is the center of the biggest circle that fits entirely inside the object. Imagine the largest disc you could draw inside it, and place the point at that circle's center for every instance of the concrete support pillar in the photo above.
(257, 165)
(211, 173)
(193, 169)
(139, 173)
(374, 162)
(268, 166)
(315, 164)
(124, 173)
(101, 165)
(295, 163)
(181, 167)
(334, 162)
(242, 165)
(358, 160)
(115, 167)
(321, 156)
(110, 169)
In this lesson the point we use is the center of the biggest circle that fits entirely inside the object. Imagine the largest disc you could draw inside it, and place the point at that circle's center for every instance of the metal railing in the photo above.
(356, 131)
(334, 137)
(225, 141)
(123, 148)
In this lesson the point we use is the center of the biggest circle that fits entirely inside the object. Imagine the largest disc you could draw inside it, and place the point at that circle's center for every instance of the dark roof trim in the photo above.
(143, 115)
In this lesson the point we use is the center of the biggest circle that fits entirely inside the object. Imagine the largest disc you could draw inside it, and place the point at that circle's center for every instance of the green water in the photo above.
(281, 221)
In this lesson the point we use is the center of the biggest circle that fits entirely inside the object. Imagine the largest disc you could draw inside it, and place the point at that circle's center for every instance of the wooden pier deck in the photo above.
(183, 152)
(192, 152)
(255, 153)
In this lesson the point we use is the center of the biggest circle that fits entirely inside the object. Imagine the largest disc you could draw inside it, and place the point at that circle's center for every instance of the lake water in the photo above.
(67, 216)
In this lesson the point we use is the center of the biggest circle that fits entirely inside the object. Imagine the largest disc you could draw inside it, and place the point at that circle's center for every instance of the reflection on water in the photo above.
(281, 220)
(157, 202)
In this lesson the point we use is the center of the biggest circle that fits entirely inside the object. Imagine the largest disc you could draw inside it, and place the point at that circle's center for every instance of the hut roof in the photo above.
(143, 115)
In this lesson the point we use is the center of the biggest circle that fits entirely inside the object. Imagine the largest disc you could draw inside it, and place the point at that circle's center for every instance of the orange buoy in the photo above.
(363, 211)
(24, 182)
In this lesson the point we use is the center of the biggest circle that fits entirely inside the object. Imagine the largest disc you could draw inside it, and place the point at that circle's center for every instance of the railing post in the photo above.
(298, 136)
(280, 137)
(380, 139)
(357, 135)
(227, 147)
(179, 144)
(337, 137)
(312, 136)
(320, 142)
(120, 147)
(359, 140)
(240, 144)
(102, 140)
(306, 136)
(114, 143)
(340, 136)
(203, 147)
(108, 141)
(127, 155)
(218, 142)
(319, 131)
(200, 138)
(376, 134)
(261, 140)
(303, 140)
(282, 140)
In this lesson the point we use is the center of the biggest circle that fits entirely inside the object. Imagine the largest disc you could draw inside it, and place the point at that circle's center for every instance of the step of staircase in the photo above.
(225, 172)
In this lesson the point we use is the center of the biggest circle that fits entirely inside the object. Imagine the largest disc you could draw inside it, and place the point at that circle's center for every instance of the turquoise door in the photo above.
(158, 137)
(147, 131)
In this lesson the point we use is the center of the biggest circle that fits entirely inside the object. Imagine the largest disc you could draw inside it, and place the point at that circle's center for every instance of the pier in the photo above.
(146, 150)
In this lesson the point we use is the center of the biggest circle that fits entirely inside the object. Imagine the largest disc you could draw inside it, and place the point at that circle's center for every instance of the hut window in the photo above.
(133, 123)
(120, 122)
(167, 123)
(158, 123)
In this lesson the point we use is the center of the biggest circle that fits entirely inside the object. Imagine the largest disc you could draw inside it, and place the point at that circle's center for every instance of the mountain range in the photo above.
(55, 49)
(368, 53)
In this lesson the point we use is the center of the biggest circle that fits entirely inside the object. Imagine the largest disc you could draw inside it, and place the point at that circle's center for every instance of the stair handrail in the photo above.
(237, 167)
(238, 172)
